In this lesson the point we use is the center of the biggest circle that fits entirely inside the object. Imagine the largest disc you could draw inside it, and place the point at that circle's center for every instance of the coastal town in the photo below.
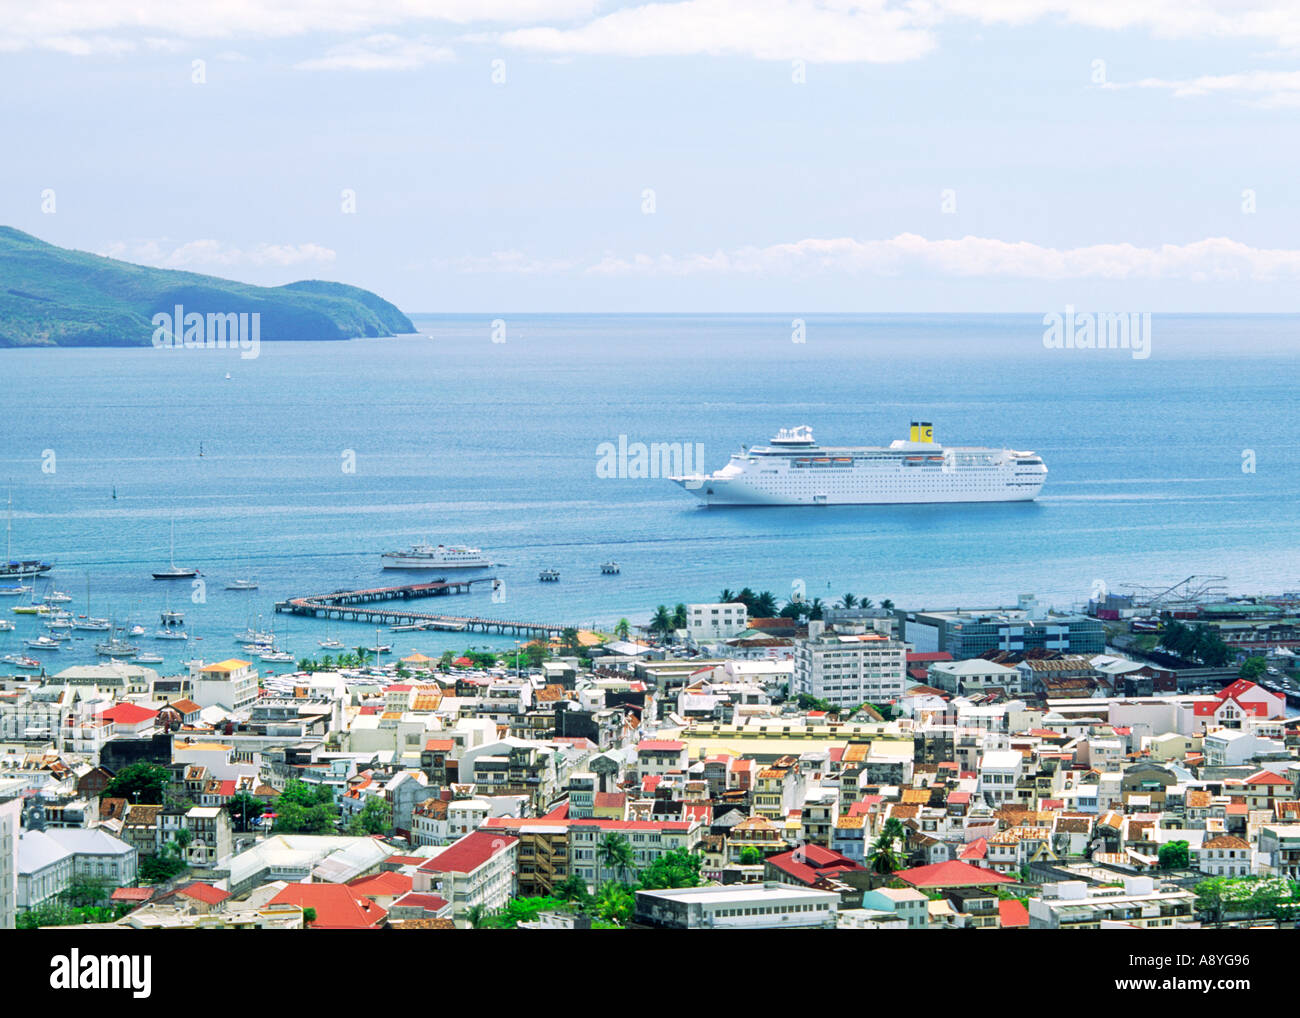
(733, 764)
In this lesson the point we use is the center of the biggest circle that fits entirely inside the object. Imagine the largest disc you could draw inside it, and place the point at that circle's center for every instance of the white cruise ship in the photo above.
(795, 470)
(444, 556)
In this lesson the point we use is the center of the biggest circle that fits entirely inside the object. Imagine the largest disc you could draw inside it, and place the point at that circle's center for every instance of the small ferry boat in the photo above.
(274, 656)
(549, 575)
(443, 556)
(57, 597)
(148, 659)
(21, 661)
(609, 568)
(93, 625)
(171, 634)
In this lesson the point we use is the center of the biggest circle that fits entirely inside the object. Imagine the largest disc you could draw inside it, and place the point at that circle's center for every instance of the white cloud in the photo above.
(83, 27)
(212, 254)
(379, 53)
(1267, 89)
(910, 255)
(822, 32)
(882, 31)
(815, 30)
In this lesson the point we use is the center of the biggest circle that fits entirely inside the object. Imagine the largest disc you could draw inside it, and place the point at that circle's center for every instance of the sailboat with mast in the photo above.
(175, 572)
(241, 584)
(18, 569)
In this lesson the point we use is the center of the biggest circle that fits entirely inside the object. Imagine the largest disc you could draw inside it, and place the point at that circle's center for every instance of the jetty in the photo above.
(377, 605)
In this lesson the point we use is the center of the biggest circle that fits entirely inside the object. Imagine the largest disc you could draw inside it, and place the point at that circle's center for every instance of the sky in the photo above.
(504, 156)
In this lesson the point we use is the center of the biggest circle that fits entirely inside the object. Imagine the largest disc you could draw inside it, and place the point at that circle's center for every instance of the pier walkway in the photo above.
(374, 606)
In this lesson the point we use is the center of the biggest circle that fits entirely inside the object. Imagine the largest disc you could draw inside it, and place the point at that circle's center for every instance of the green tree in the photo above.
(887, 605)
(475, 915)
(678, 868)
(244, 808)
(614, 902)
(1253, 668)
(807, 701)
(885, 855)
(574, 889)
(765, 605)
(728, 596)
(816, 609)
(140, 783)
(614, 853)
(84, 891)
(681, 617)
(445, 661)
(847, 601)
(374, 817)
(305, 809)
(308, 916)
(750, 856)
(622, 629)
(569, 642)
(1174, 855)
(661, 623)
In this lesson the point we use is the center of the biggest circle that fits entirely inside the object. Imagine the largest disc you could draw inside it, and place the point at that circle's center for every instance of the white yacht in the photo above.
(442, 556)
(794, 470)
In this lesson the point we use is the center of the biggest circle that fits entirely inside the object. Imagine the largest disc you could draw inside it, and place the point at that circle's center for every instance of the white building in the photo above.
(998, 773)
(974, 676)
(738, 907)
(479, 869)
(229, 684)
(44, 869)
(11, 810)
(715, 621)
(1225, 856)
(849, 665)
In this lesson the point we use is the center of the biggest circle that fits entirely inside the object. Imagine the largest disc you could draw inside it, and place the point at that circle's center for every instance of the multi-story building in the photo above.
(649, 839)
(715, 621)
(1071, 905)
(738, 907)
(11, 809)
(970, 633)
(999, 772)
(848, 665)
(973, 676)
(230, 684)
(479, 869)
(1279, 847)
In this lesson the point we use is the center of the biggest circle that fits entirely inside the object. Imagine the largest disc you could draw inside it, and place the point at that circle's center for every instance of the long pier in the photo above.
(369, 606)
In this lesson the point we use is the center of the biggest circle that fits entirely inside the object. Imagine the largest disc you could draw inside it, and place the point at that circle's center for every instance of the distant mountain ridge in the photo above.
(53, 296)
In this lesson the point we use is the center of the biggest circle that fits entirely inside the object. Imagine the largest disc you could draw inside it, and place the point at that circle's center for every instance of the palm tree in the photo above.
(884, 858)
(727, 596)
(661, 623)
(622, 628)
(816, 608)
(887, 605)
(475, 915)
(680, 617)
(305, 664)
(866, 604)
(747, 597)
(614, 852)
(847, 601)
(327, 663)
(765, 605)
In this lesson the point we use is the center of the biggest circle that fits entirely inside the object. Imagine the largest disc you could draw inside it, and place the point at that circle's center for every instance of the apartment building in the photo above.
(849, 665)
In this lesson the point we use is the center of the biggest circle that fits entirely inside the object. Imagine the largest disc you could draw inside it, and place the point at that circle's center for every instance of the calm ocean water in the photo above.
(464, 440)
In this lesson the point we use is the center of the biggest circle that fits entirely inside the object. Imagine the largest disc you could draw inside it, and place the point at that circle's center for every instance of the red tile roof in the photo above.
(440, 745)
(388, 883)
(128, 713)
(977, 849)
(809, 862)
(131, 894)
(1013, 915)
(205, 893)
(416, 899)
(660, 746)
(337, 907)
(469, 853)
(610, 800)
(951, 874)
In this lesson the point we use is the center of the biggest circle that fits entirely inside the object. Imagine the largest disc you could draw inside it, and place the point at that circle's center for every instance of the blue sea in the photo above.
(460, 439)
